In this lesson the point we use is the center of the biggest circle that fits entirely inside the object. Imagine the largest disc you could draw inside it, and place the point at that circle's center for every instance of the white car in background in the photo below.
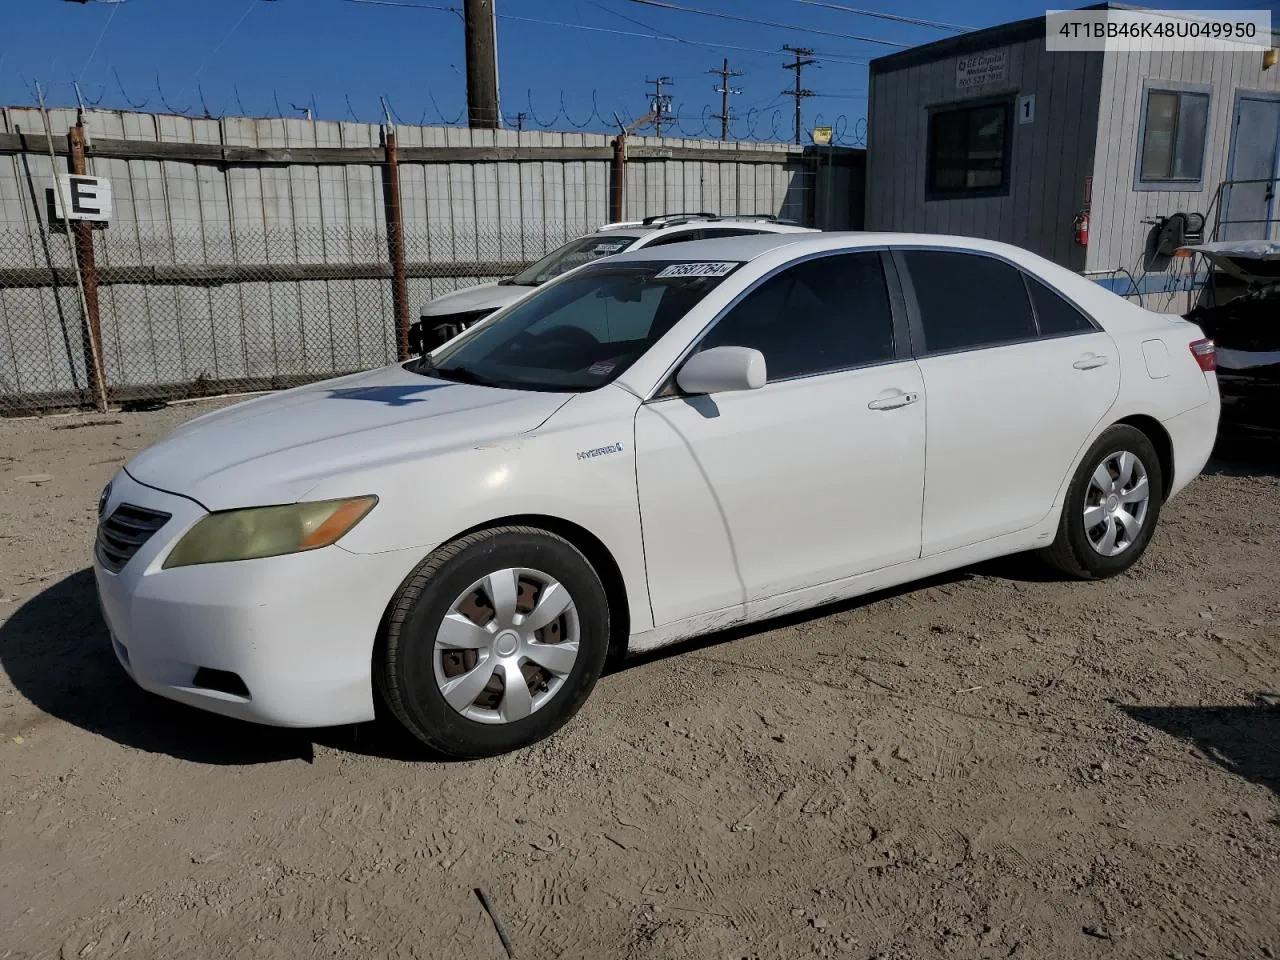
(446, 316)
(652, 447)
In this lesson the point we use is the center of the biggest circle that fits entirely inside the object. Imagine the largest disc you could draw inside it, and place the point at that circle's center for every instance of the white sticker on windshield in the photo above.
(613, 246)
(695, 270)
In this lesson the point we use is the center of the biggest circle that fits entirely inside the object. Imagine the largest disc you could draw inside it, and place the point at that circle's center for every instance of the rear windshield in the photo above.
(581, 332)
(573, 254)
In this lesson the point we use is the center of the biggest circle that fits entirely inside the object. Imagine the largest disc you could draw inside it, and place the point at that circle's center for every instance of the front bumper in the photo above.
(297, 630)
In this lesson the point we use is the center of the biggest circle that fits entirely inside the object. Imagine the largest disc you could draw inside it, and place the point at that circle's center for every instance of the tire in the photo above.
(417, 664)
(1082, 550)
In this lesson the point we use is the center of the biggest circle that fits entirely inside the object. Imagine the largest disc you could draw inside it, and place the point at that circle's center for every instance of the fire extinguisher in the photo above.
(1080, 228)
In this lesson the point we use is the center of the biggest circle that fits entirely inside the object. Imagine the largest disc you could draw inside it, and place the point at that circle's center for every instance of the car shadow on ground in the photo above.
(1245, 457)
(57, 654)
(1244, 740)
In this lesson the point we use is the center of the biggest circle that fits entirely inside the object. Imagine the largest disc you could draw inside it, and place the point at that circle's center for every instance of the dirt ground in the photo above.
(989, 764)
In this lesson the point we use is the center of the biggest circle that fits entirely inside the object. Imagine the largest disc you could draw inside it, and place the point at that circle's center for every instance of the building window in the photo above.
(1174, 125)
(969, 149)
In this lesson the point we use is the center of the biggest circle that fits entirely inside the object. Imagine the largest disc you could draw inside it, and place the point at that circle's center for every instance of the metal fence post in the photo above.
(395, 243)
(83, 231)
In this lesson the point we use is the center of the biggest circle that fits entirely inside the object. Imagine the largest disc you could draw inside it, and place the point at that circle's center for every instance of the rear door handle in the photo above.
(1089, 362)
(892, 403)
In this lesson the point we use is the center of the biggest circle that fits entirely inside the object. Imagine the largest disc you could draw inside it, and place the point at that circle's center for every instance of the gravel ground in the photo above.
(988, 764)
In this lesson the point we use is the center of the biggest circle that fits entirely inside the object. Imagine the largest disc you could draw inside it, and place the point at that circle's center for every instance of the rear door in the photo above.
(1016, 378)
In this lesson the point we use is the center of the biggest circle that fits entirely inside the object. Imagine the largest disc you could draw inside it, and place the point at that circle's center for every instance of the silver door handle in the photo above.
(1088, 363)
(892, 403)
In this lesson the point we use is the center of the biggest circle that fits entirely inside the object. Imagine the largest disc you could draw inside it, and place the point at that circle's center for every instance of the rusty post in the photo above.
(618, 180)
(83, 231)
(395, 244)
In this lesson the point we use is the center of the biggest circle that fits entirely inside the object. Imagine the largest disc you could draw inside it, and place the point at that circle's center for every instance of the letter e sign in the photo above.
(86, 198)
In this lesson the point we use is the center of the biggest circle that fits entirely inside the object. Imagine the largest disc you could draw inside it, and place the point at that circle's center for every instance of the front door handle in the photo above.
(1090, 362)
(892, 403)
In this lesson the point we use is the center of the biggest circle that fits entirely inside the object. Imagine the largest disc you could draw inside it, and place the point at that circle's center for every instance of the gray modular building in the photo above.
(988, 134)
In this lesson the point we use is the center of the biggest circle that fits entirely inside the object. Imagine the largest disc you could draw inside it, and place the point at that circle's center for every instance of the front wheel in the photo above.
(1111, 508)
(494, 642)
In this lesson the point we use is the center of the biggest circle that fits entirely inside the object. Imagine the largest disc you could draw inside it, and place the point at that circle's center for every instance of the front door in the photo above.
(814, 477)
(1250, 205)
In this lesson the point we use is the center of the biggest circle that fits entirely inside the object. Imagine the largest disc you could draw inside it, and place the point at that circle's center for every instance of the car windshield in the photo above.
(572, 254)
(581, 332)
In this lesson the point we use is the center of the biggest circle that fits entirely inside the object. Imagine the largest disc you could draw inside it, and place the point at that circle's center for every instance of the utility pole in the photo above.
(803, 58)
(660, 104)
(724, 116)
(480, 22)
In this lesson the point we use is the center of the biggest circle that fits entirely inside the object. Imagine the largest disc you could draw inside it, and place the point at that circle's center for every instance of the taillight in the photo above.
(1206, 354)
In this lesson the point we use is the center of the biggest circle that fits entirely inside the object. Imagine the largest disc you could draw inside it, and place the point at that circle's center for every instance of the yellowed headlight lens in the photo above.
(268, 531)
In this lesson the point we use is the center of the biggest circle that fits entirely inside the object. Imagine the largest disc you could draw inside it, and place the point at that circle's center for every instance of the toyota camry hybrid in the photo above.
(650, 447)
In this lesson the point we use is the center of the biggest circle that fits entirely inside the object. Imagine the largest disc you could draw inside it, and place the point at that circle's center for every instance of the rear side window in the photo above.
(968, 301)
(1053, 313)
(819, 316)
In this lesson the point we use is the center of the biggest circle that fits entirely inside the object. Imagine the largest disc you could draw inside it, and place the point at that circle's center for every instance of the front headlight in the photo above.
(268, 531)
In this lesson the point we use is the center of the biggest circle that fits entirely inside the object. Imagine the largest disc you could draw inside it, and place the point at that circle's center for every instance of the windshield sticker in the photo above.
(695, 270)
(599, 451)
(601, 368)
(612, 246)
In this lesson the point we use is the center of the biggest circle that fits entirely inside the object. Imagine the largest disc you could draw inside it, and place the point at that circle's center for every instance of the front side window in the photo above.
(969, 150)
(573, 254)
(822, 315)
(1173, 137)
(580, 333)
(968, 301)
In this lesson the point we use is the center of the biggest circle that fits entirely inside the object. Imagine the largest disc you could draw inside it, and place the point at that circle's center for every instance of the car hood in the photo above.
(487, 296)
(275, 448)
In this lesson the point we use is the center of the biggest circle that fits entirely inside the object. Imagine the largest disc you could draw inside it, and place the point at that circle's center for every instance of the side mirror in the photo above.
(723, 369)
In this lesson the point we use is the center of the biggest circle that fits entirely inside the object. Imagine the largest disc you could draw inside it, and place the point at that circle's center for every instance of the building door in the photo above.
(1250, 205)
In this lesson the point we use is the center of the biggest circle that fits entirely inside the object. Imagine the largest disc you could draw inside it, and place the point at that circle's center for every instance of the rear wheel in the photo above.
(494, 642)
(1112, 506)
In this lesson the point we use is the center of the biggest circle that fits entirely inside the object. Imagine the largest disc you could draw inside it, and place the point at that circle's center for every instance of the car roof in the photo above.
(799, 244)
(762, 223)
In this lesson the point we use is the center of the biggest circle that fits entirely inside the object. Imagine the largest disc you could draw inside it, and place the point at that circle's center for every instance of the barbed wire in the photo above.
(771, 123)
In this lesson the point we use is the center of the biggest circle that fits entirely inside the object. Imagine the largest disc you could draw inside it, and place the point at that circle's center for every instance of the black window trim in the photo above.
(919, 343)
(1006, 168)
(1171, 185)
(667, 390)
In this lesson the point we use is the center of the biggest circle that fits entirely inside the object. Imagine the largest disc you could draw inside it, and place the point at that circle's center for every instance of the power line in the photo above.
(725, 90)
(661, 4)
(667, 38)
(896, 18)
(803, 58)
(115, 8)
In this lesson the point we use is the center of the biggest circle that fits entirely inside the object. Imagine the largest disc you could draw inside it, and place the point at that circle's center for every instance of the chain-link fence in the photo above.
(245, 255)
(198, 311)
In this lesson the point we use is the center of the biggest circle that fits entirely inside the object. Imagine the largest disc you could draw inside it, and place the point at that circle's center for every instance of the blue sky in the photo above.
(276, 56)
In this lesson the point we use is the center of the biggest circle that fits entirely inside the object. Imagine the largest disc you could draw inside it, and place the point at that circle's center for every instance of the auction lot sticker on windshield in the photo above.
(695, 270)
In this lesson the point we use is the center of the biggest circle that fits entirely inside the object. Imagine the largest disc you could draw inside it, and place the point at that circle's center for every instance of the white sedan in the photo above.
(648, 448)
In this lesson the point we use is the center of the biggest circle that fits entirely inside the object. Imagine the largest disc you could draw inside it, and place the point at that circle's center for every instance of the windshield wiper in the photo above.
(461, 375)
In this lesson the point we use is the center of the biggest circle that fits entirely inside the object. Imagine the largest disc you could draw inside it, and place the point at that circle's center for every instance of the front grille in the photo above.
(123, 533)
